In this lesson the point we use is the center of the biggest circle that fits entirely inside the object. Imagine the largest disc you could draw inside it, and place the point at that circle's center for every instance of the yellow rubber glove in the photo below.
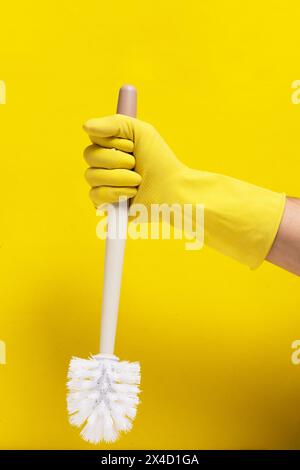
(241, 219)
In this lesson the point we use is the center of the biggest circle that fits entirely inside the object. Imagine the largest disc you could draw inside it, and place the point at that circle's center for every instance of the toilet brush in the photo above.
(102, 390)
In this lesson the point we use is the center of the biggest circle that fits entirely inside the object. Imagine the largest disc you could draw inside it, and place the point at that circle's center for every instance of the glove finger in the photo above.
(110, 126)
(99, 157)
(113, 142)
(107, 194)
(119, 177)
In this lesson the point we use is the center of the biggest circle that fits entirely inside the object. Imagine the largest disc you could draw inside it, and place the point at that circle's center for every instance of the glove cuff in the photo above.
(241, 220)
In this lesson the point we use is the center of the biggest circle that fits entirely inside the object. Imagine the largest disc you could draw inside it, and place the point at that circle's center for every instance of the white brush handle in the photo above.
(117, 219)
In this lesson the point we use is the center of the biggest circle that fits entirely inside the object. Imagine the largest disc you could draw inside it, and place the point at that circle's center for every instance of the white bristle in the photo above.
(103, 396)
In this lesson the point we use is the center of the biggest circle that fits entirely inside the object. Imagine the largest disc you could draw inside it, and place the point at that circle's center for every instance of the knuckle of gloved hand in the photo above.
(88, 152)
(98, 195)
(93, 197)
(89, 176)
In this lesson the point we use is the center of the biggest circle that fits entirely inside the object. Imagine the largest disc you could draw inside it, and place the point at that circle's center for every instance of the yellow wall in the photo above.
(214, 339)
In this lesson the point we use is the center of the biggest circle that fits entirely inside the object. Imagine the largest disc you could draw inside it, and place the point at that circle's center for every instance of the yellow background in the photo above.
(214, 339)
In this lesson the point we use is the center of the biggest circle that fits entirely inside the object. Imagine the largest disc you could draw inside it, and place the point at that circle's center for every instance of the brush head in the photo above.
(103, 396)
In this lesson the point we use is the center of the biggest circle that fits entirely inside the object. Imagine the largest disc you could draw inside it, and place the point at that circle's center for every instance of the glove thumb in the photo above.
(110, 126)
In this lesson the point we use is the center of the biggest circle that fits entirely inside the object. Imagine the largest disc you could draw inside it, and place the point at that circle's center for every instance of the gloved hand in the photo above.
(241, 219)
